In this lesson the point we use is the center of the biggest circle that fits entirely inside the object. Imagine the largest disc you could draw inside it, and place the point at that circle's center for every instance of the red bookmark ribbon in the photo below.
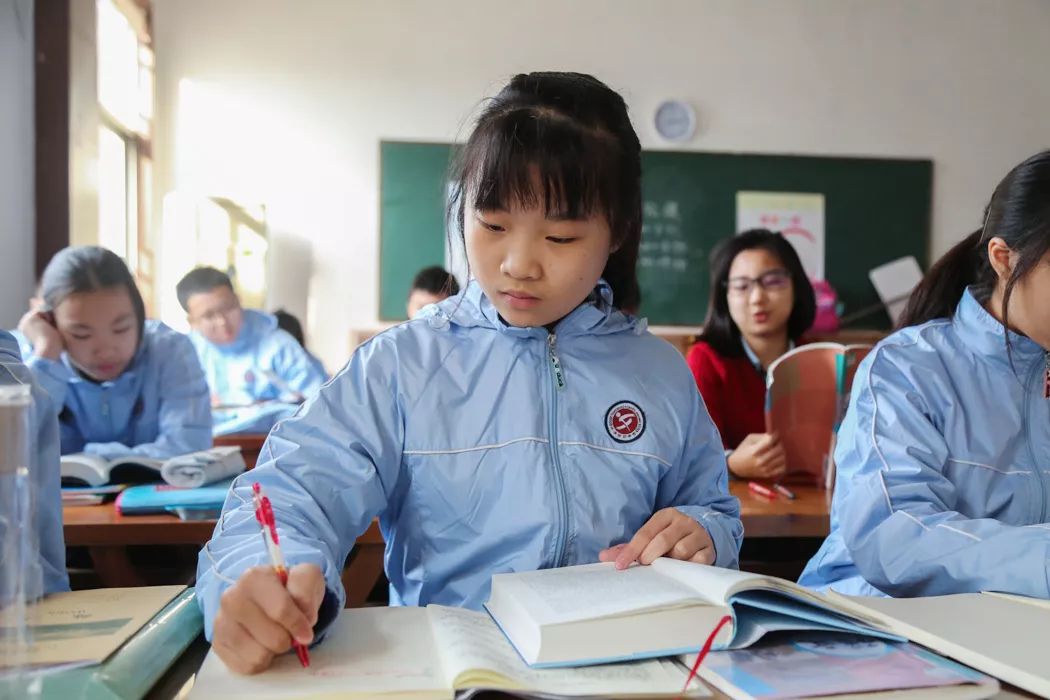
(704, 651)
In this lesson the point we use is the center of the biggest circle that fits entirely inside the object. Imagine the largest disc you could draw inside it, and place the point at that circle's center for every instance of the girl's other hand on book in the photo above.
(669, 533)
(259, 616)
(759, 456)
(40, 331)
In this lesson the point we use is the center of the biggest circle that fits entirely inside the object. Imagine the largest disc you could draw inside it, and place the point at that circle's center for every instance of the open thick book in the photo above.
(1001, 635)
(807, 392)
(185, 471)
(594, 614)
(423, 653)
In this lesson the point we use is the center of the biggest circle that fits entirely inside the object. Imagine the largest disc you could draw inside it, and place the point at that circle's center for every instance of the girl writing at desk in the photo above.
(527, 423)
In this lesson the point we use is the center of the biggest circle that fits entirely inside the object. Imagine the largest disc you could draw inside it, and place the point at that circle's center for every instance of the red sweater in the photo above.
(735, 393)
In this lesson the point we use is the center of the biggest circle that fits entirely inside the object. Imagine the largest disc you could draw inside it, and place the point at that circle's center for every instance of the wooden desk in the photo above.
(107, 534)
(806, 516)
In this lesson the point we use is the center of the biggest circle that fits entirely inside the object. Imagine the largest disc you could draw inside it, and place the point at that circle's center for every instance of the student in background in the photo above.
(431, 285)
(506, 429)
(45, 472)
(122, 385)
(760, 304)
(257, 373)
(942, 483)
(288, 323)
(36, 302)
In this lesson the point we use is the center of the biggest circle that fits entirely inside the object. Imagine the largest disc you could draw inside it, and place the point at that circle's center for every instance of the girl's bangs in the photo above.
(533, 159)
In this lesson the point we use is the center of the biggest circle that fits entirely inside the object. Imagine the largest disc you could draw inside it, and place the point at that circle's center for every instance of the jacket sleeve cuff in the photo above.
(213, 583)
(725, 530)
(326, 614)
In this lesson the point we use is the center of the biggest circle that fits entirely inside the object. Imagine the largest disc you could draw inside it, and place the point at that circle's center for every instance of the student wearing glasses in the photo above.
(257, 373)
(760, 304)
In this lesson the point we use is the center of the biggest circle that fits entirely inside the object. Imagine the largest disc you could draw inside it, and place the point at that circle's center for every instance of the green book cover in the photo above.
(130, 672)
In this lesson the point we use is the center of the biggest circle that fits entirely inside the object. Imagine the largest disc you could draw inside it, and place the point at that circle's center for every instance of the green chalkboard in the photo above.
(412, 194)
(875, 210)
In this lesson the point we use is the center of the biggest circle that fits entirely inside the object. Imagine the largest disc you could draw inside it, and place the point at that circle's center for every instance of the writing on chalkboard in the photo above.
(663, 245)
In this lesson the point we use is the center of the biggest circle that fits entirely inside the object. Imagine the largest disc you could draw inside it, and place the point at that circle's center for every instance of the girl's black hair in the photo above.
(91, 268)
(720, 332)
(572, 132)
(1018, 213)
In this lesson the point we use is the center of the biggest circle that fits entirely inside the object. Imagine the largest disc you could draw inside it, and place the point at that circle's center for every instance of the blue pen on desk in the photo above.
(784, 491)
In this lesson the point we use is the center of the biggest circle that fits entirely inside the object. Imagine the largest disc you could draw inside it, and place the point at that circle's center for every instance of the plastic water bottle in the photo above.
(20, 572)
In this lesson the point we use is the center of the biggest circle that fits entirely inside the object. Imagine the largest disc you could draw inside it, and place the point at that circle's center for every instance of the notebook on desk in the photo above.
(428, 654)
(818, 665)
(111, 644)
(202, 503)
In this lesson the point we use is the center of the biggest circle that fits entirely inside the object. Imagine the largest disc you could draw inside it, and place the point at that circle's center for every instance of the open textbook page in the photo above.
(422, 653)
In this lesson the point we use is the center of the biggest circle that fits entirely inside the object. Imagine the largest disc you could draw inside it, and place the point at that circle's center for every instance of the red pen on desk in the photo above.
(761, 490)
(784, 491)
(264, 514)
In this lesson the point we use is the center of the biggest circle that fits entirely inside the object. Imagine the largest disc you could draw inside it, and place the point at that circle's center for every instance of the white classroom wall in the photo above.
(284, 103)
(17, 219)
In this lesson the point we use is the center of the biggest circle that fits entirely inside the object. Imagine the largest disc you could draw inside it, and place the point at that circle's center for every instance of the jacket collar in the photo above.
(986, 336)
(595, 316)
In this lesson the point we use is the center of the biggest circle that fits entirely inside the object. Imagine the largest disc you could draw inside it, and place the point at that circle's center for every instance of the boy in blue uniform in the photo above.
(257, 373)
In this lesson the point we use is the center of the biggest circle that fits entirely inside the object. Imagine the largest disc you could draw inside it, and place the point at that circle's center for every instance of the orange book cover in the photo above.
(807, 391)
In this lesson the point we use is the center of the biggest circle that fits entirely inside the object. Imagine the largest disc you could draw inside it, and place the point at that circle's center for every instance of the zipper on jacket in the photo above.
(557, 384)
(559, 375)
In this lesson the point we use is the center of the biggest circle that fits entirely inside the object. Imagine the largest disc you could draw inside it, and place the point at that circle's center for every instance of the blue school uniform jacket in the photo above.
(483, 449)
(264, 363)
(45, 474)
(157, 408)
(943, 466)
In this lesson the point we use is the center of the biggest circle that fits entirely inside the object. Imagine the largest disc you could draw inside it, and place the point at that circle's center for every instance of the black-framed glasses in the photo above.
(772, 281)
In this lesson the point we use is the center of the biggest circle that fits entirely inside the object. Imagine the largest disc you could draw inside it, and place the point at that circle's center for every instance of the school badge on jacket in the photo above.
(625, 421)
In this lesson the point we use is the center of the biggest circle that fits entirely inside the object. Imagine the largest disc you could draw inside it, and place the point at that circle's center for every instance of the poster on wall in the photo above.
(798, 216)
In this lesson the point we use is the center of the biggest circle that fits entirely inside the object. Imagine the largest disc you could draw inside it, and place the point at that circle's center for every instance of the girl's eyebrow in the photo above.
(122, 319)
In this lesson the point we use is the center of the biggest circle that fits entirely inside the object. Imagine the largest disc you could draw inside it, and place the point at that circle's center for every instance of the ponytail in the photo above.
(1018, 214)
(941, 288)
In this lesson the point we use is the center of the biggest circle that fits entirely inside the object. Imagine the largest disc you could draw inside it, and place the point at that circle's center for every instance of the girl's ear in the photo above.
(1001, 258)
